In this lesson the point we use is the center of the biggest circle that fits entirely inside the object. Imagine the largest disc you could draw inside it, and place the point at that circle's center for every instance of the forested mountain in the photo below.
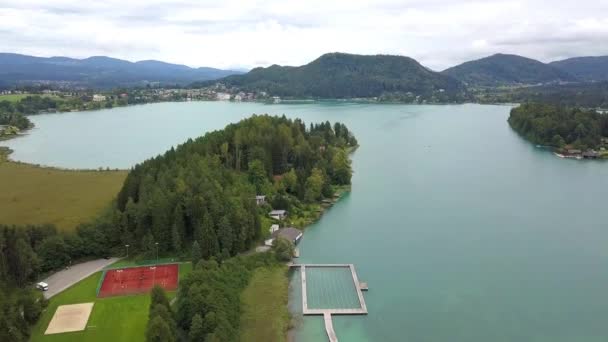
(507, 70)
(585, 68)
(340, 75)
(99, 71)
(559, 126)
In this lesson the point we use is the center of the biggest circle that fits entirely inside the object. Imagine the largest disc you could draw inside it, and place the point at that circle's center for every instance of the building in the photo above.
(260, 199)
(573, 151)
(591, 154)
(278, 214)
(222, 96)
(292, 234)
(273, 228)
(98, 98)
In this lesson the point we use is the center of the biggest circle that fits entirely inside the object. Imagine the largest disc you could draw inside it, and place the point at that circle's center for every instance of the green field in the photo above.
(265, 316)
(36, 195)
(113, 319)
(17, 97)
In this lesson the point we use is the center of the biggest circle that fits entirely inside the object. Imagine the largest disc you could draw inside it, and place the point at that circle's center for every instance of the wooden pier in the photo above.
(359, 287)
(329, 328)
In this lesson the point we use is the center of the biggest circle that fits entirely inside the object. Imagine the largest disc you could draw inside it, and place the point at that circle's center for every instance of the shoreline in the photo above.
(325, 205)
(5, 153)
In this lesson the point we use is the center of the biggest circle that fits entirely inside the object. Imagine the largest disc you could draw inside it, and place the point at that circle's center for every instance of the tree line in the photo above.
(208, 305)
(559, 126)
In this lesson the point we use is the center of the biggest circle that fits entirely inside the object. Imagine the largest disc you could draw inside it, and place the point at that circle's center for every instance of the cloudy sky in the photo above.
(245, 34)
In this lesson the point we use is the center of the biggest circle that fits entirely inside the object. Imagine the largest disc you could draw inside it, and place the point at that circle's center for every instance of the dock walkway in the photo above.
(329, 327)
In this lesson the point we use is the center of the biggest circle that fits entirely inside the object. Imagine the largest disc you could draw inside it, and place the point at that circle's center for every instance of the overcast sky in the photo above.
(245, 34)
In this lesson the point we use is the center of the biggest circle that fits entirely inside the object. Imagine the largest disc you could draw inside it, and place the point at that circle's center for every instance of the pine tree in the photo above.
(158, 296)
(210, 246)
(196, 253)
(226, 235)
(159, 331)
(176, 239)
(197, 334)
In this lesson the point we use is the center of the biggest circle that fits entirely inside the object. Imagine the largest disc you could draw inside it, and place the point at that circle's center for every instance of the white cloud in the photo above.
(439, 33)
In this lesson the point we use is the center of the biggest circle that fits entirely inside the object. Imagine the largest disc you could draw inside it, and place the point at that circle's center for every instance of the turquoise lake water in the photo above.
(462, 229)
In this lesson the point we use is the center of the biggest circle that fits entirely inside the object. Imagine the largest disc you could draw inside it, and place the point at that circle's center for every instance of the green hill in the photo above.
(340, 75)
(507, 70)
(585, 68)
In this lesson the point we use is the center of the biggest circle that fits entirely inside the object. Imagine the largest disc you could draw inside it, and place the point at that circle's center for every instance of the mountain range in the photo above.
(99, 71)
(333, 75)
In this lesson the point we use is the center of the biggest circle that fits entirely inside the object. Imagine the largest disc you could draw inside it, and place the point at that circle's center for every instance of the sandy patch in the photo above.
(69, 318)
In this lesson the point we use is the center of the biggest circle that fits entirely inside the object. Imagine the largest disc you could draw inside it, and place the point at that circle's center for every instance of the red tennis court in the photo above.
(133, 280)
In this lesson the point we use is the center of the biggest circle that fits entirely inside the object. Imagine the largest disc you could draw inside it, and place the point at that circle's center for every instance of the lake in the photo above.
(463, 230)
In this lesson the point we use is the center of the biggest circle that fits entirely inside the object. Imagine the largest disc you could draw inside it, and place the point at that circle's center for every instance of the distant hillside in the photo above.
(501, 70)
(340, 75)
(584, 94)
(585, 68)
(98, 71)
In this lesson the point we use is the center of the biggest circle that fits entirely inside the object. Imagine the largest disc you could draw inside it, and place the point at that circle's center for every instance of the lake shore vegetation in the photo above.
(568, 130)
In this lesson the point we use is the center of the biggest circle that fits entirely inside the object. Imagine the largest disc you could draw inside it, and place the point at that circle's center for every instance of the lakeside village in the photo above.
(86, 99)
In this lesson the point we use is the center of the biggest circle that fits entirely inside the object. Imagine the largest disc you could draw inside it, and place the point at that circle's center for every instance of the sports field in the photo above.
(36, 195)
(115, 319)
(123, 281)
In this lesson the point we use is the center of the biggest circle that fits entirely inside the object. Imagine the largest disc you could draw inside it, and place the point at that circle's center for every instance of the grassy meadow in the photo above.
(37, 195)
(18, 97)
(265, 316)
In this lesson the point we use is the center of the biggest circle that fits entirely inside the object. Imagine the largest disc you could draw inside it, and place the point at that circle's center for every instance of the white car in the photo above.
(42, 286)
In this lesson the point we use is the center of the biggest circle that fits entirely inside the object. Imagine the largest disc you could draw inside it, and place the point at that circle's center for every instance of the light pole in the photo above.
(154, 280)
(156, 243)
(127, 251)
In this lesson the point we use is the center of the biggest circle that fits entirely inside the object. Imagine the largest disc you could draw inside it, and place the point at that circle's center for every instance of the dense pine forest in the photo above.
(204, 190)
(559, 126)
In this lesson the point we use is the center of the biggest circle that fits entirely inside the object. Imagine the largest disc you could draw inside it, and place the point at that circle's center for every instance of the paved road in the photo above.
(66, 278)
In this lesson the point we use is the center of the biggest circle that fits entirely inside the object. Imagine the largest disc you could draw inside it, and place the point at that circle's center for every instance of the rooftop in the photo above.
(290, 233)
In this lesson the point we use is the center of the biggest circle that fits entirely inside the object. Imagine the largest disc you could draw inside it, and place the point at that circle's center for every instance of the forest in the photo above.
(559, 126)
(204, 190)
